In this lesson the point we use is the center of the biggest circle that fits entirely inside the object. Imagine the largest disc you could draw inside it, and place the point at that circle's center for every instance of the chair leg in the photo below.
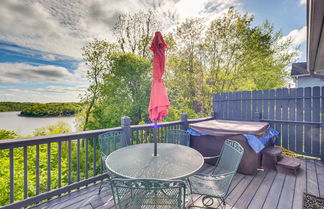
(101, 185)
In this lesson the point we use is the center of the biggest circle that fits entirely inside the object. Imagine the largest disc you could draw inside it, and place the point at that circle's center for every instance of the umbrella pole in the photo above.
(155, 137)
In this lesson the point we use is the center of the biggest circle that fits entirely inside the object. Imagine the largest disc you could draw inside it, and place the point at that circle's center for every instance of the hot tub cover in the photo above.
(231, 128)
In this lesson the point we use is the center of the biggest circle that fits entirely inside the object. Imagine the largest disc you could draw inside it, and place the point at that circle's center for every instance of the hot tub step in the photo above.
(272, 151)
(288, 165)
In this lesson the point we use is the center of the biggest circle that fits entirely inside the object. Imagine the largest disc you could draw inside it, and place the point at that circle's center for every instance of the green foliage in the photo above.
(97, 55)
(14, 106)
(18, 153)
(51, 109)
(125, 91)
(4, 134)
(60, 127)
(228, 54)
(231, 55)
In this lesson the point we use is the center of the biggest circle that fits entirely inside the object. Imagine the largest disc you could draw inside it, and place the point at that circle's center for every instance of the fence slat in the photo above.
(230, 105)
(272, 106)
(284, 116)
(278, 113)
(225, 104)
(300, 117)
(244, 105)
(254, 103)
(217, 105)
(316, 118)
(292, 117)
(239, 103)
(259, 101)
(307, 129)
(265, 96)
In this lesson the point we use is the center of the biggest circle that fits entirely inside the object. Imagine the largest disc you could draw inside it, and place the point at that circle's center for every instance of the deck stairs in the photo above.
(272, 159)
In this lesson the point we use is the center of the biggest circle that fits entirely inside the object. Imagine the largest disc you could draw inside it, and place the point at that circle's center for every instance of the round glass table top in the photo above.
(172, 162)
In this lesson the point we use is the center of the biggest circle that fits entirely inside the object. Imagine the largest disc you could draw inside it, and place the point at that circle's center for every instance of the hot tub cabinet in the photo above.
(219, 130)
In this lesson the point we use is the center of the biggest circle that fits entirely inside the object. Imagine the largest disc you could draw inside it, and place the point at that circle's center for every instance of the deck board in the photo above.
(262, 192)
(311, 178)
(287, 193)
(300, 187)
(275, 192)
(250, 191)
(267, 189)
(320, 177)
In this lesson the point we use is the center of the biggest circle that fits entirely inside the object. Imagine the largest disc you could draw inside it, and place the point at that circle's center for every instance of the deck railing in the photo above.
(40, 168)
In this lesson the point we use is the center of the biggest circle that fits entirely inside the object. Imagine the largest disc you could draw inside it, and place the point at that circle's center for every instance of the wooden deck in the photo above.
(267, 189)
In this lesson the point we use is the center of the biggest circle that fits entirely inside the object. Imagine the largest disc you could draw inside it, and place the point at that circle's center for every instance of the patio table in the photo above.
(172, 162)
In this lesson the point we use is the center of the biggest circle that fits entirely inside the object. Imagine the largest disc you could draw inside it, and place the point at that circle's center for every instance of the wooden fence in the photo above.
(296, 112)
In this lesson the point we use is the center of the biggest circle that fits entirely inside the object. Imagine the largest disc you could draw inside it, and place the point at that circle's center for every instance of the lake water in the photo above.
(26, 125)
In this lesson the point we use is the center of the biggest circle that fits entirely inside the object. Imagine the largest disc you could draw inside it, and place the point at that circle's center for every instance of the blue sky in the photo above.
(40, 40)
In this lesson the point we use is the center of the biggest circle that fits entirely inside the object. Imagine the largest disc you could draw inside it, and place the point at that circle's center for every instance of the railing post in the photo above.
(125, 124)
(184, 121)
(322, 126)
(257, 116)
(214, 114)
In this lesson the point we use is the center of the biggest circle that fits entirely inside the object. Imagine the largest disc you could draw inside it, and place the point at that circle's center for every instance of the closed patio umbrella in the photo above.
(159, 102)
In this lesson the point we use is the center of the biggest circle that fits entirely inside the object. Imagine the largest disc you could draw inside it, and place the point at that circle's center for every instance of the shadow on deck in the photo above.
(267, 189)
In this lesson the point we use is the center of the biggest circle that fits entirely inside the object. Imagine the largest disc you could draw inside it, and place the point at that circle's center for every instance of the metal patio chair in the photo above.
(148, 193)
(177, 137)
(217, 184)
(109, 142)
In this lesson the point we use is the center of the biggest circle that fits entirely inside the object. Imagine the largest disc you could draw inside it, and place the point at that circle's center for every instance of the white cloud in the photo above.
(297, 37)
(47, 94)
(302, 2)
(63, 27)
(22, 72)
(204, 8)
(30, 25)
(42, 74)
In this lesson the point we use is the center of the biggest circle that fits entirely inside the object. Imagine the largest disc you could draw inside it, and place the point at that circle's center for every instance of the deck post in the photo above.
(214, 114)
(257, 116)
(184, 121)
(322, 150)
(125, 124)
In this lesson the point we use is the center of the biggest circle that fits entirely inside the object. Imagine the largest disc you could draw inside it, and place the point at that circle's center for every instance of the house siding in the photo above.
(301, 82)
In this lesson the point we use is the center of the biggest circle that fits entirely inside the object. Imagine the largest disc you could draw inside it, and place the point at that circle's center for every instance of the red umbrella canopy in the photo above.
(159, 102)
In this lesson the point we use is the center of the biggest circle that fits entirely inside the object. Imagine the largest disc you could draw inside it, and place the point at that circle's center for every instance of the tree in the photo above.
(134, 32)
(97, 55)
(230, 55)
(125, 91)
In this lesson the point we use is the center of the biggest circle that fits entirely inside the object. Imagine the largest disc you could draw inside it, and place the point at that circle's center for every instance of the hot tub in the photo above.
(219, 130)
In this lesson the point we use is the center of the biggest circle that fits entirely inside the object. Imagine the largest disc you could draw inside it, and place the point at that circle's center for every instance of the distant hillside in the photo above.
(14, 106)
(41, 110)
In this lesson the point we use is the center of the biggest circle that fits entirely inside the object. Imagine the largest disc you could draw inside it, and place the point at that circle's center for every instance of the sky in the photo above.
(41, 40)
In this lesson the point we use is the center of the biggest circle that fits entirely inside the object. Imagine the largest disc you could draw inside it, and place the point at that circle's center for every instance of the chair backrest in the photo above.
(230, 157)
(177, 137)
(111, 141)
(148, 193)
